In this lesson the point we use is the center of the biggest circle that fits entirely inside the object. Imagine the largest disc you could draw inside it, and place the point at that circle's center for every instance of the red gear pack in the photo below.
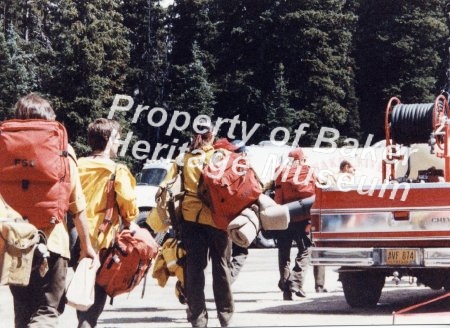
(126, 261)
(34, 169)
(297, 184)
(229, 189)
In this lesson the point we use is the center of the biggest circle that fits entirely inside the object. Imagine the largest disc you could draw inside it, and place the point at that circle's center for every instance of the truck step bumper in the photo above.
(381, 257)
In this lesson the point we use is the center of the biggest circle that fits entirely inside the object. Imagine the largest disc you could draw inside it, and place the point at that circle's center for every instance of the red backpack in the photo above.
(297, 185)
(34, 170)
(230, 192)
(126, 261)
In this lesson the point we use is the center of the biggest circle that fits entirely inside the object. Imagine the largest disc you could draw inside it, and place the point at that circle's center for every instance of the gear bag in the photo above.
(34, 170)
(227, 186)
(126, 261)
(168, 199)
(18, 240)
(170, 262)
(296, 185)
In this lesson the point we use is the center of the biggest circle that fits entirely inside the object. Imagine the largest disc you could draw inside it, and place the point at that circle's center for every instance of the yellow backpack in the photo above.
(170, 263)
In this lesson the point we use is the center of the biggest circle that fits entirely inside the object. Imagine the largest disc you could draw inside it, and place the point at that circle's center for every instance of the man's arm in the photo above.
(80, 222)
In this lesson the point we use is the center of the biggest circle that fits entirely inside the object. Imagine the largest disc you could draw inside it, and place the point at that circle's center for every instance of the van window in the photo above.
(152, 177)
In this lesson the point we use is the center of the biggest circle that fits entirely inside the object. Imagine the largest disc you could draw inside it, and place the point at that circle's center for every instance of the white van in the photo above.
(148, 180)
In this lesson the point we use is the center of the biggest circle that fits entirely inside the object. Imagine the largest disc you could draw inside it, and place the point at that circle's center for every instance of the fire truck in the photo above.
(400, 227)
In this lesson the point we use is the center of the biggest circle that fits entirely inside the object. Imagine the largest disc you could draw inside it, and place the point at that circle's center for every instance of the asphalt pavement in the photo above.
(258, 303)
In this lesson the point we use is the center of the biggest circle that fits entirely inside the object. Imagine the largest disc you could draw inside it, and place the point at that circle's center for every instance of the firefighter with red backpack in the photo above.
(107, 209)
(200, 235)
(42, 192)
(295, 181)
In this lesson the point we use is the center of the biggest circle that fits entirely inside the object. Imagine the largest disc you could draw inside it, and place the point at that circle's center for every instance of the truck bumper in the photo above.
(381, 257)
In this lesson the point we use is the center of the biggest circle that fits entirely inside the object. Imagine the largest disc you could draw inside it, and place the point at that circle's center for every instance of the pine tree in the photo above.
(18, 75)
(193, 92)
(400, 52)
(92, 56)
(279, 111)
(316, 41)
(246, 60)
(147, 23)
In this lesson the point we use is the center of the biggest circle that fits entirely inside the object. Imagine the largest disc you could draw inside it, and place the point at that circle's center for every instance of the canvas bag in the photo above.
(227, 194)
(80, 292)
(126, 261)
(170, 262)
(34, 170)
(18, 240)
(168, 210)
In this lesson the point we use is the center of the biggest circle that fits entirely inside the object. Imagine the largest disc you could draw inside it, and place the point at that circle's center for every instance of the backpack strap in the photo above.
(110, 201)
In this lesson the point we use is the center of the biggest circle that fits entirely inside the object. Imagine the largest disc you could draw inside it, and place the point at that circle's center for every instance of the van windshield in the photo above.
(152, 177)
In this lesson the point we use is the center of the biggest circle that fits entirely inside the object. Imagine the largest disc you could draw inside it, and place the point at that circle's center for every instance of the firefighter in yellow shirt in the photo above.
(95, 172)
(200, 236)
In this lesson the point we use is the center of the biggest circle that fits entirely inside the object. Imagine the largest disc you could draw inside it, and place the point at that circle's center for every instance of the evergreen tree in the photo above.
(18, 75)
(193, 92)
(316, 40)
(92, 56)
(246, 60)
(400, 51)
(148, 24)
(279, 111)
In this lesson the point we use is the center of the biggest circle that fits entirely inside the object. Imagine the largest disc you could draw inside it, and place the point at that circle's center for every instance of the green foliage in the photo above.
(399, 51)
(278, 63)
(18, 75)
(193, 92)
(279, 112)
(91, 53)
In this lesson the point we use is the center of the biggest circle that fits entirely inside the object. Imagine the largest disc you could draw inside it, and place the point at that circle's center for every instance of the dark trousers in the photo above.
(88, 319)
(292, 280)
(319, 275)
(238, 256)
(41, 302)
(199, 241)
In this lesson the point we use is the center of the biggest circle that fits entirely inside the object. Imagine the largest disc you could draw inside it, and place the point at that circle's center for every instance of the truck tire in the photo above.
(362, 288)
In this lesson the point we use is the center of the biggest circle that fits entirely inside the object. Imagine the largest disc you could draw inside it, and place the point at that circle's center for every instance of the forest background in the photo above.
(332, 63)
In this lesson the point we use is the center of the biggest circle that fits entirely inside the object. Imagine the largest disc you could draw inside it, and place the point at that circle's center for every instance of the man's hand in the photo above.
(88, 252)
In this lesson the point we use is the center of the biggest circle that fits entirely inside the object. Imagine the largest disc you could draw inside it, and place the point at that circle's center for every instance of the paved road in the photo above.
(259, 303)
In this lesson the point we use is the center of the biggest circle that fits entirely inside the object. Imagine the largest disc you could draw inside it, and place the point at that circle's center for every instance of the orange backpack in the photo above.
(230, 192)
(126, 261)
(297, 185)
(34, 170)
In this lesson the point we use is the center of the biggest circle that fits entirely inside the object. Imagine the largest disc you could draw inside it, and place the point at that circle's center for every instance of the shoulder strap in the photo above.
(111, 198)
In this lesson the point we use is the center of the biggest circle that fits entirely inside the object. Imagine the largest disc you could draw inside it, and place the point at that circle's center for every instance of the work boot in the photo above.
(320, 289)
(300, 293)
(287, 295)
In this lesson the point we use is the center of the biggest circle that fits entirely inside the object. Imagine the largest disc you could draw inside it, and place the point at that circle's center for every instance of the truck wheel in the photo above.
(362, 289)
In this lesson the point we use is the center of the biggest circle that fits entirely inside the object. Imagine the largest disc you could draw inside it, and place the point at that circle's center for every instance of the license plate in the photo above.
(401, 256)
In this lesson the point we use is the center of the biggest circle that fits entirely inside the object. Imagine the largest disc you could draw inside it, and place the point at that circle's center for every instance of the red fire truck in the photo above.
(402, 226)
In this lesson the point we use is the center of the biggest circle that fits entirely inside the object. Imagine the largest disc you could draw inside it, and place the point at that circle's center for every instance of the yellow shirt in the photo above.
(94, 176)
(57, 236)
(193, 208)
(6, 212)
